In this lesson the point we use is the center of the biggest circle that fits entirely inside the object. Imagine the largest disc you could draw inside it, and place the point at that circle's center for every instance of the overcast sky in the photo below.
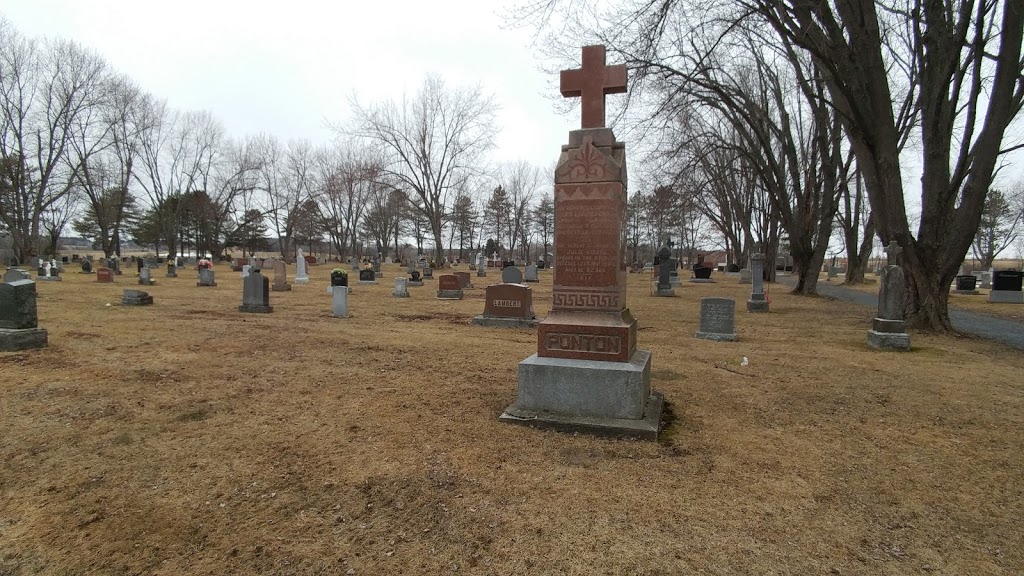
(286, 67)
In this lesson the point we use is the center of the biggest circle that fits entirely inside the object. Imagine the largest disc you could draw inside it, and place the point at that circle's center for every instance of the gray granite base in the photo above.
(24, 339)
(302, 280)
(449, 294)
(665, 293)
(367, 281)
(411, 283)
(1006, 297)
(606, 398)
(966, 292)
(703, 281)
(256, 308)
(49, 279)
(498, 322)
(758, 305)
(716, 336)
(888, 340)
(137, 301)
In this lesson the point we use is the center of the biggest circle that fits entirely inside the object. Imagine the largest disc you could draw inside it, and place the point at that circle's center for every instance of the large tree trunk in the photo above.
(857, 255)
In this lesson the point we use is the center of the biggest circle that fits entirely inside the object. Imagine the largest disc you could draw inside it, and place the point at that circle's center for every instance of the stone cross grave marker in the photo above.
(587, 373)
(717, 319)
(591, 83)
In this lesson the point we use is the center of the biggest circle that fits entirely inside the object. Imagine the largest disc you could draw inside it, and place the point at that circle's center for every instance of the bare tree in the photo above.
(47, 90)
(1000, 224)
(431, 142)
(521, 180)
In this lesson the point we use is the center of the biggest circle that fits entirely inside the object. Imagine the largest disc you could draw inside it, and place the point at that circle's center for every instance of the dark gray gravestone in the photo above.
(511, 275)
(86, 266)
(665, 267)
(256, 294)
(172, 270)
(136, 298)
(206, 277)
(19, 328)
(428, 273)
(717, 319)
(1006, 287)
(14, 275)
(367, 277)
(888, 331)
(758, 302)
(531, 274)
(415, 279)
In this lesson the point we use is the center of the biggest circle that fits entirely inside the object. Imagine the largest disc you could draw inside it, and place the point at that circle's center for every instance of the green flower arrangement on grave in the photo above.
(339, 277)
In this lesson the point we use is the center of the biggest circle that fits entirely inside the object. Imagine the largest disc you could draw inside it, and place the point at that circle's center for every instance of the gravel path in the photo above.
(1007, 332)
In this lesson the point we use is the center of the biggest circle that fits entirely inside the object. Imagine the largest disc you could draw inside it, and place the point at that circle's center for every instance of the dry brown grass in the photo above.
(188, 438)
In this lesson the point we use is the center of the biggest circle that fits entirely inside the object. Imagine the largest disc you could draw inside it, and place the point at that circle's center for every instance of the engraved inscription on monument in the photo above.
(594, 343)
(508, 303)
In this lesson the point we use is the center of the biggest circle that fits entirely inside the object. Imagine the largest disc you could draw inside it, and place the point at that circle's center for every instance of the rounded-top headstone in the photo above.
(512, 275)
(86, 266)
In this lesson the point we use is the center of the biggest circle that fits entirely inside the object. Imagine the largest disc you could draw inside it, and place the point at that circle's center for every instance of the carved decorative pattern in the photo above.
(585, 300)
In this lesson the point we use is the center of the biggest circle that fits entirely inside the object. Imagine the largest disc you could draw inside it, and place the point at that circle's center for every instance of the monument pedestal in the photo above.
(22, 339)
(757, 303)
(608, 398)
(888, 335)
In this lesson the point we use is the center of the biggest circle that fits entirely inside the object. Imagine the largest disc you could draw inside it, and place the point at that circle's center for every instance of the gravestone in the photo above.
(587, 373)
(717, 319)
(301, 276)
(745, 276)
(355, 264)
(702, 274)
(281, 277)
(172, 270)
(206, 277)
(1006, 287)
(415, 279)
(256, 294)
(966, 284)
(367, 276)
(86, 266)
(481, 265)
(376, 267)
(52, 272)
(464, 279)
(507, 306)
(145, 277)
(428, 273)
(758, 302)
(449, 287)
(531, 274)
(136, 298)
(401, 291)
(339, 301)
(666, 264)
(511, 275)
(833, 271)
(104, 275)
(19, 327)
(14, 275)
(888, 330)
(246, 269)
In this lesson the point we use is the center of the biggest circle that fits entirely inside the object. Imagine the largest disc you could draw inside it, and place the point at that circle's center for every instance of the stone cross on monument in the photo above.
(588, 373)
(892, 251)
(591, 83)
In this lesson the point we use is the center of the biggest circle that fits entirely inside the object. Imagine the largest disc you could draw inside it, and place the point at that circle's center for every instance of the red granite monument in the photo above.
(587, 373)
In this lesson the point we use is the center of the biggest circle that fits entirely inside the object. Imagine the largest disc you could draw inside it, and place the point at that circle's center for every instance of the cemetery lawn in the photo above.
(188, 438)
